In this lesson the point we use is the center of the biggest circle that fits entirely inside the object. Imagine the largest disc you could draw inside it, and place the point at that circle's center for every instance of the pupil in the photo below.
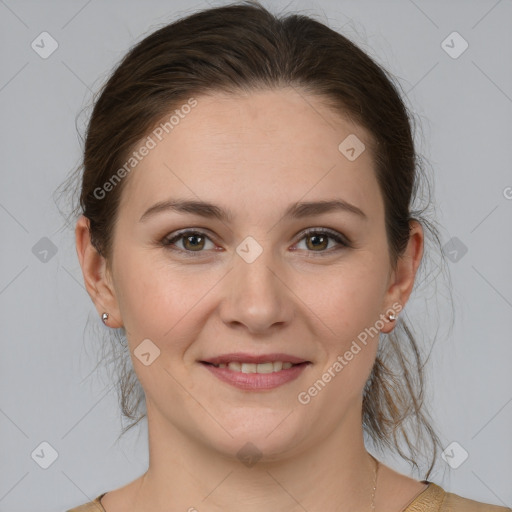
(191, 237)
(313, 237)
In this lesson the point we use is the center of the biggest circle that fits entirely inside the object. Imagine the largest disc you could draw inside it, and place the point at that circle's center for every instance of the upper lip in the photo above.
(241, 357)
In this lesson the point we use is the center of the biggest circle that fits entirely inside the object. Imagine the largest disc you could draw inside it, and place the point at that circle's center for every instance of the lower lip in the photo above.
(256, 381)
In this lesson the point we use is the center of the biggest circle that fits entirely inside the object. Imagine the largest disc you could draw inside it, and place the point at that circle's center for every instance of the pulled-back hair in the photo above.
(242, 48)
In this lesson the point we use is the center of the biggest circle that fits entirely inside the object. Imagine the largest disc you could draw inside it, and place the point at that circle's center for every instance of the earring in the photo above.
(104, 317)
(391, 317)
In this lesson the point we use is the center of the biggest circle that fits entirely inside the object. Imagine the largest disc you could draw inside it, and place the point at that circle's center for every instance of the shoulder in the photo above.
(454, 502)
(92, 506)
(435, 499)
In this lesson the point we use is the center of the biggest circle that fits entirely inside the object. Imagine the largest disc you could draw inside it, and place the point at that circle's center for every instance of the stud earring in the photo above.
(391, 317)
(104, 317)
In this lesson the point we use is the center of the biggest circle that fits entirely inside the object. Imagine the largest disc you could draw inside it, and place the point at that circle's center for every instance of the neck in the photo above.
(332, 473)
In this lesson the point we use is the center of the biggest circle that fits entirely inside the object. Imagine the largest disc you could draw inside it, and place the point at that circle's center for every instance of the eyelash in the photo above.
(168, 242)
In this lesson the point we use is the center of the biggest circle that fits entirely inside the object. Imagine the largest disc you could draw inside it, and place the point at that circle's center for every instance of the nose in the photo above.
(256, 296)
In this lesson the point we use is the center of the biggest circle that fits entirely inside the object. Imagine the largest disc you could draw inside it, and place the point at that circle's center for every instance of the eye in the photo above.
(193, 241)
(317, 240)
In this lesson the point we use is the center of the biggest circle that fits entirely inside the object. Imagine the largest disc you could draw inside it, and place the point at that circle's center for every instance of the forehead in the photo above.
(266, 147)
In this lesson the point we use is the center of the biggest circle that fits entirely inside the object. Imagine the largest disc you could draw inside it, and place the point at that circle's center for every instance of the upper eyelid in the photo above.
(176, 236)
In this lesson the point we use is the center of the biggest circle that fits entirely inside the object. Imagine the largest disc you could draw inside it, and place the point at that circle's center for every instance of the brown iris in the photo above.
(199, 246)
(325, 239)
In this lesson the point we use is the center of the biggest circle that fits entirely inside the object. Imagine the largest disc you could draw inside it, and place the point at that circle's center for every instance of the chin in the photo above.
(256, 436)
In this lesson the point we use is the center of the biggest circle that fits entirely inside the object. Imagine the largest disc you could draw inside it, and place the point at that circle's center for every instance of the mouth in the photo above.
(267, 367)
(251, 372)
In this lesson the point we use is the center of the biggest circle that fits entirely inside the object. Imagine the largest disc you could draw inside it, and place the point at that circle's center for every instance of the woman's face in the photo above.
(251, 281)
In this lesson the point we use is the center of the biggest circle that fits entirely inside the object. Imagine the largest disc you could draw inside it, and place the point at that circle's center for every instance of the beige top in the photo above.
(431, 499)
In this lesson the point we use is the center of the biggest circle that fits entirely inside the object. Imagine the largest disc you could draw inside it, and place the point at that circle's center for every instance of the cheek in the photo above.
(169, 303)
(348, 310)
(348, 300)
(159, 300)
(349, 307)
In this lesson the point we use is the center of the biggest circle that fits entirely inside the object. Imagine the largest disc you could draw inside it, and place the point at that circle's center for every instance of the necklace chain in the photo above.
(374, 481)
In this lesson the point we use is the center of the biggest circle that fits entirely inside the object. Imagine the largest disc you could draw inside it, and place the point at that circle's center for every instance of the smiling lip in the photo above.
(255, 381)
(240, 357)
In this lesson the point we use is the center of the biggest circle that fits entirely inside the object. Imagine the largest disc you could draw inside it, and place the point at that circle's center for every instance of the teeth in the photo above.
(278, 366)
(268, 367)
(249, 367)
(264, 368)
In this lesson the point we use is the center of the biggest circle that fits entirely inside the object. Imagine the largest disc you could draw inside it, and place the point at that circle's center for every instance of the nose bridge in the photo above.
(254, 260)
(256, 296)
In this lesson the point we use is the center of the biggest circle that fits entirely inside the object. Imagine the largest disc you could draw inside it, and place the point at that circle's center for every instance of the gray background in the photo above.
(50, 389)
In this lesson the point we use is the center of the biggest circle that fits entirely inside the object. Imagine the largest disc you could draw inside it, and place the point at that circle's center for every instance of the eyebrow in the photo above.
(209, 210)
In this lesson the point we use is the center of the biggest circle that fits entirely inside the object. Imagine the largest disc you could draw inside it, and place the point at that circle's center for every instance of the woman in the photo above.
(246, 224)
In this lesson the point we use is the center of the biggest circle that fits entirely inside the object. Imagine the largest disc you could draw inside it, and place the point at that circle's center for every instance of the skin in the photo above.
(253, 154)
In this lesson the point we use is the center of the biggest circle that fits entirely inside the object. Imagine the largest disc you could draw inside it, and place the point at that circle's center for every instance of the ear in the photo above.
(97, 279)
(402, 279)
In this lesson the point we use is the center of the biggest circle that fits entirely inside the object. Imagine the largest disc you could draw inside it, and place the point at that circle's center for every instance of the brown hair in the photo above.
(241, 48)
